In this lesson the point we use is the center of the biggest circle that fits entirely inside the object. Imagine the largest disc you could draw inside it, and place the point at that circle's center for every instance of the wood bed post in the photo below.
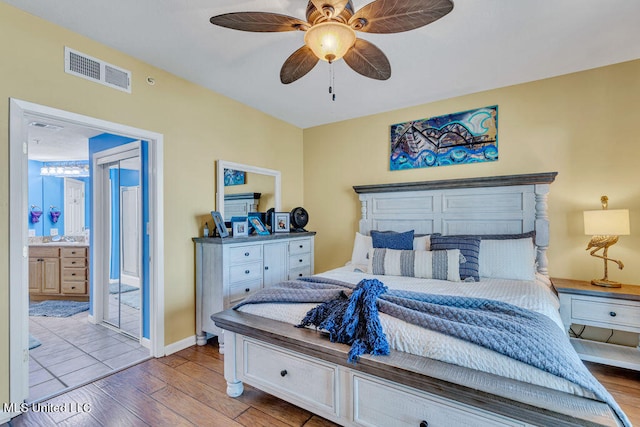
(234, 386)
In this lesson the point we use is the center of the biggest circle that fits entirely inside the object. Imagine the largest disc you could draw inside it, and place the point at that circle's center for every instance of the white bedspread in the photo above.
(402, 336)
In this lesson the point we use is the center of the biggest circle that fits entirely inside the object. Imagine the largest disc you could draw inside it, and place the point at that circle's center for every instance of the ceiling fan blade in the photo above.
(365, 58)
(297, 65)
(260, 22)
(337, 5)
(393, 16)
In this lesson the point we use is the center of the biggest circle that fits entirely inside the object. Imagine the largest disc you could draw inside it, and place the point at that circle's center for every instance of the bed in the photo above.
(428, 378)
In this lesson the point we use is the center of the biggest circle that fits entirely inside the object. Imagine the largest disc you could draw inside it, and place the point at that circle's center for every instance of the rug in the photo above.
(62, 308)
(33, 342)
(132, 299)
(113, 288)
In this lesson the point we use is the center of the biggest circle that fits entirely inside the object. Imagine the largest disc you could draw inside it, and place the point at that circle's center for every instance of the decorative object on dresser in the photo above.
(227, 270)
(299, 218)
(605, 226)
(256, 223)
(221, 228)
(280, 222)
(58, 272)
(617, 309)
(240, 226)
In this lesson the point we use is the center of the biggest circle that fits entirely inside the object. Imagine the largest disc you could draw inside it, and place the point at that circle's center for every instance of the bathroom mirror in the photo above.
(257, 180)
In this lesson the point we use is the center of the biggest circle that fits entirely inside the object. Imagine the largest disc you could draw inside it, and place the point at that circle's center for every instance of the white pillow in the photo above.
(361, 246)
(422, 243)
(507, 259)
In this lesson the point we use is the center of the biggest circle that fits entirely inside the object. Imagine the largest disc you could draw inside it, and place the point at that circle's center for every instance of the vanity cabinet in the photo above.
(229, 269)
(58, 272)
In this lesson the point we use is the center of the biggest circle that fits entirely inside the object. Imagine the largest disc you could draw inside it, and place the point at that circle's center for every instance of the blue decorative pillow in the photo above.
(392, 240)
(470, 249)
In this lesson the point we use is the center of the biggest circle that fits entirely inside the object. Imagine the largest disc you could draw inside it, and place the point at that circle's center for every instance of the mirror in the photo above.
(257, 180)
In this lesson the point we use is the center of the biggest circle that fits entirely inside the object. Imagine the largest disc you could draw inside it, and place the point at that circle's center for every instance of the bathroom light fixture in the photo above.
(605, 226)
(70, 169)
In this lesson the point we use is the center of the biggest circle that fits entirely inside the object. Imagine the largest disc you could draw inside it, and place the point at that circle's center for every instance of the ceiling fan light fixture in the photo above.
(330, 41)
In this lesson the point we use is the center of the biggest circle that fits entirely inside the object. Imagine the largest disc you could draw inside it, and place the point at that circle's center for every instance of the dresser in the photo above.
(229, 269)
(58, 272)
(610, 308)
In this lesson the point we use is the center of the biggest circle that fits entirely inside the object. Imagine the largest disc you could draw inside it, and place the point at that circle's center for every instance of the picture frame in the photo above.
(220, 225)
(240, 228)
(280, 222)
(256, 223)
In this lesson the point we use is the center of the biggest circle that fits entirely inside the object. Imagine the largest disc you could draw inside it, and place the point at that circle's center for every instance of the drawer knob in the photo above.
(73, 287)
(299, 260)
(247, 289)
(300, 246)
(283, 372)
(613, 314)
(247, 271)
(299, 274)
(73, 274)
(266, 267)
(246, 254)
(73, 262)
(423, 423)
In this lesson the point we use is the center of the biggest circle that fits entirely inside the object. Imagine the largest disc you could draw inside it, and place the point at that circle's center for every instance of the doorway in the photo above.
(21, 114)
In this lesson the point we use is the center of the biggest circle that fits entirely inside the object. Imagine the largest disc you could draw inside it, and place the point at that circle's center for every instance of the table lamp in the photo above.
(605, 226)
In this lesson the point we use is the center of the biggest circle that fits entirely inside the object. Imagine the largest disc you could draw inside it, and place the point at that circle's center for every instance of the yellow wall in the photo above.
(583, 125)
(199, 127)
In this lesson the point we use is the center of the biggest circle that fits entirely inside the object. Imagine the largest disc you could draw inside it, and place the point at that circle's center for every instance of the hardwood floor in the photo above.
(188, 388)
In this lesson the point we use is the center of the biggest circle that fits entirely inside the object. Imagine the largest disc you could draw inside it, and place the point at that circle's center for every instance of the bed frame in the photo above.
(301, 365)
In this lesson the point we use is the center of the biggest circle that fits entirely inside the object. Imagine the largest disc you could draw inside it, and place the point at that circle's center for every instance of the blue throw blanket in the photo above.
(350, 314)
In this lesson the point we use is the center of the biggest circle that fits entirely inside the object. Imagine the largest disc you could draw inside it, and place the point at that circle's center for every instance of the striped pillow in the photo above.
(470, 248)
(443, 265)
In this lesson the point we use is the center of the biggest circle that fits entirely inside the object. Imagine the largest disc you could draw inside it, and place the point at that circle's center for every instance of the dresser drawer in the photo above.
(377, 403)
(299, 260)
(300, 246)
(612, 313)
(243, 272)
(74, 262)
(74, 274)
(73, 252)
(240, 254)
(300, 377)
(294, 273)
(239, 292)
(74, 288)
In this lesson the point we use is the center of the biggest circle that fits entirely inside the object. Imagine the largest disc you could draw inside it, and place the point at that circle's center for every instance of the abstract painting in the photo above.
(464, 137)
(233, 177)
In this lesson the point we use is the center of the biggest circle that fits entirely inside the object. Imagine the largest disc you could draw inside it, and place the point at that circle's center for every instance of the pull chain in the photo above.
(332, 82)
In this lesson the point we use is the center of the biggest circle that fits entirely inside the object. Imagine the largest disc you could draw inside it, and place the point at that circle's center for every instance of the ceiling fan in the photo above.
(330, 31)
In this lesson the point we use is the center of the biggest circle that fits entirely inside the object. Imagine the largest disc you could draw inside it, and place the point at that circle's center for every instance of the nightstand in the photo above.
(610, 308)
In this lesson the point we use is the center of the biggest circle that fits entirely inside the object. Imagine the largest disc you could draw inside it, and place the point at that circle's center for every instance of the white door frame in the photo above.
(20, 112)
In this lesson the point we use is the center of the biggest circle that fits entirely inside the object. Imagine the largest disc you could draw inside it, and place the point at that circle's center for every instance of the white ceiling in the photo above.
(480, 45)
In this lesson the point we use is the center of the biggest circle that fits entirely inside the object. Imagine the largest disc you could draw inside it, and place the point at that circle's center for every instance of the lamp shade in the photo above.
(607, 222)
(329, 41)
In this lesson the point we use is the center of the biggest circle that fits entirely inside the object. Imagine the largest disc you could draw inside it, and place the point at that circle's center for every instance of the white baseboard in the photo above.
(145, 342)
(180, 345)
(92, 319)
(5, 417)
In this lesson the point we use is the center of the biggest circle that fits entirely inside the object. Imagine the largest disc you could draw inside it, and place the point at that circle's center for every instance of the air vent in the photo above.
(45, 126)
(96, 70)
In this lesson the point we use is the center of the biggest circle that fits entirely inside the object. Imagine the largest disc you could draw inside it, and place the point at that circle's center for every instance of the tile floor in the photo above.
(75, 351)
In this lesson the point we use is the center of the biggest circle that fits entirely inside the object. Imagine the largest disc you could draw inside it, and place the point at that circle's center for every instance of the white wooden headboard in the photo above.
(510, 204)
